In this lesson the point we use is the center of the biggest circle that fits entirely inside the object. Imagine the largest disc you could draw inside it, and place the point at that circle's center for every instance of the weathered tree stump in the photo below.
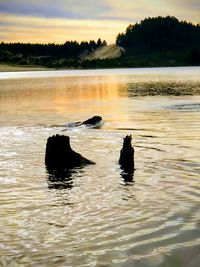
(126, 160)
(60, 156)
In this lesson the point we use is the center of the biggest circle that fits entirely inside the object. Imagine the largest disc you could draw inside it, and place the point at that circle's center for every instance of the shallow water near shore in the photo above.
(96, 216)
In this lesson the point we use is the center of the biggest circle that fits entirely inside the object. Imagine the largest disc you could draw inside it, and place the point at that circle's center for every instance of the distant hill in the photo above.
(160, 34)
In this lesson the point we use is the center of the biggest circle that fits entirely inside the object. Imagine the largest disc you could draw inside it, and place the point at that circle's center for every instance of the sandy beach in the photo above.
(11, 68)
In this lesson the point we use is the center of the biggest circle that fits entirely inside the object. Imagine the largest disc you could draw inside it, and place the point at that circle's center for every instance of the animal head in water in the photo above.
(93, 120)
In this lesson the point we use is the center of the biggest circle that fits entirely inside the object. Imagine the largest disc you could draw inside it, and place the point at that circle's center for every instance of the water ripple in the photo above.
(95, 216)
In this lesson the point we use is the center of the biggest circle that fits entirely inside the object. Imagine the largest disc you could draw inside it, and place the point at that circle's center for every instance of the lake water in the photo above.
(96, 217)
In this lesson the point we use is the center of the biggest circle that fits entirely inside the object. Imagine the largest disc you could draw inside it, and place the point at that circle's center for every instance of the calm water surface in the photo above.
(96, 217)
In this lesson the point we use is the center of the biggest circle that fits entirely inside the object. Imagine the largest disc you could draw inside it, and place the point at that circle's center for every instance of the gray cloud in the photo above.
(192, 4)
(55, 9)
(102, 9)
(33, 9)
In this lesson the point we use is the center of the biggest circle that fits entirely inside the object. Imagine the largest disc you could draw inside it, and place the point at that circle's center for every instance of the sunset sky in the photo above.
(61, 20)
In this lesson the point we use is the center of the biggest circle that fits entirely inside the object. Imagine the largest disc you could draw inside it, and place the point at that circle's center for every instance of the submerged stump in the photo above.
(126, 160)
(60, 156)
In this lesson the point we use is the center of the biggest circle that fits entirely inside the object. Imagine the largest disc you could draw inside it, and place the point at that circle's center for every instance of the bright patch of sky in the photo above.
(61, 20)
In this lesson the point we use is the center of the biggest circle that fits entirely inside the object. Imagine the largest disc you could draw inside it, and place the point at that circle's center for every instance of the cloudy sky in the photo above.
(57, 21)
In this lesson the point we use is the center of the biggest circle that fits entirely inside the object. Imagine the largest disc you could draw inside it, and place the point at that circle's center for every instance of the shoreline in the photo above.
(187, 73)
(14, 68)
(27, 68)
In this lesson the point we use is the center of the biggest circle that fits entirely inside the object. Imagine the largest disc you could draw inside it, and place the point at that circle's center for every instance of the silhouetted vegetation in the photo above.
(160, 41)
(50, 55)
(160, 35)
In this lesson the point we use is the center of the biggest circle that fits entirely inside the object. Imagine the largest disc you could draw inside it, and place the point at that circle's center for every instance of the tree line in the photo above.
(47, 54)
(160, 34)
(157, 41)
(161, 41)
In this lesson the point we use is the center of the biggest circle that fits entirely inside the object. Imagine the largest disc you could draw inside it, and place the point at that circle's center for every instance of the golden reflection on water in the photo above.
(62, 96)
(95, 216)
(81, 94)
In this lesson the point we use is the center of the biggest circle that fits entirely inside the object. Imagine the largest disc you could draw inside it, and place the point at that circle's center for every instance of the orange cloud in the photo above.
(33, 29)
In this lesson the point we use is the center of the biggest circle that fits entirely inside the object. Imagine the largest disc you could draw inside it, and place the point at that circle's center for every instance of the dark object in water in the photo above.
(93, 122)
(60, 156)
(126, 160)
